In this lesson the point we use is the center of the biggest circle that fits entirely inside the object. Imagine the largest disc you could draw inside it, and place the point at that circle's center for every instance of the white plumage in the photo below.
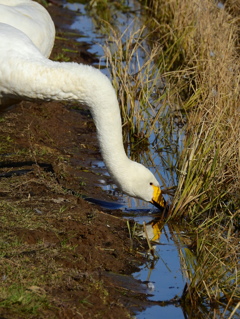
(32, 19)
(26, 39)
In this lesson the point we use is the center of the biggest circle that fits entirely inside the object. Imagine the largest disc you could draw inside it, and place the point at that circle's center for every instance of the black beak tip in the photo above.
(159, 206)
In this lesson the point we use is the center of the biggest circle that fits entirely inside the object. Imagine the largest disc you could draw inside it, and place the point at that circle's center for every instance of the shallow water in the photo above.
(163, 277)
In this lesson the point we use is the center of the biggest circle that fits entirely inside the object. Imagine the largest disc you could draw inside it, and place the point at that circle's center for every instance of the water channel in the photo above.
(163, 279)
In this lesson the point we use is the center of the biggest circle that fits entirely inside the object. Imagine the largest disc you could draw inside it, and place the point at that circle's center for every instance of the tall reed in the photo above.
(195, 85)
(203, 36)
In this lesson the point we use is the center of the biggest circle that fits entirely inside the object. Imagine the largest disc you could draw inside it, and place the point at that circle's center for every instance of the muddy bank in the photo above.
(61, 257)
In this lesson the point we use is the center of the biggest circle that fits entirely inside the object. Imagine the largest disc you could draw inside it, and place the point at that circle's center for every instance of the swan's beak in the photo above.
(158, 200)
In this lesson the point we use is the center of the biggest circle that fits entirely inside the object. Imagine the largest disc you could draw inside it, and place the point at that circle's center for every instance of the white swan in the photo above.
(32, 19)
(25, 73)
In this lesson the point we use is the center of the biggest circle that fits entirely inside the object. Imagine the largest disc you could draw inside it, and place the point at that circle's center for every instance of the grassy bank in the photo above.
(200, 40)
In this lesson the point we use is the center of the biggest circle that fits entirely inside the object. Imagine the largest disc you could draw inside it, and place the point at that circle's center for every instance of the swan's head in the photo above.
(141, 183)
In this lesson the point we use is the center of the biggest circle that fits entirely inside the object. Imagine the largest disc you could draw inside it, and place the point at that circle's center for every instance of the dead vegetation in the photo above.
(195, 48)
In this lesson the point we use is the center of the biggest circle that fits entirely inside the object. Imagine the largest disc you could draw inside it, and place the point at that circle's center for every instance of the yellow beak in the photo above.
(158, 200)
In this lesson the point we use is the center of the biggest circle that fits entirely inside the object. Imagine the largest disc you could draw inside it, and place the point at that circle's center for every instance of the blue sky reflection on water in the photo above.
(165, 276)
(84, 24)
(165, 280)
(157, 312)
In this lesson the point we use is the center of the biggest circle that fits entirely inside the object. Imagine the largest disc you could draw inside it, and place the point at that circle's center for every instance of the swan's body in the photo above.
(25, 73)
(32, 19)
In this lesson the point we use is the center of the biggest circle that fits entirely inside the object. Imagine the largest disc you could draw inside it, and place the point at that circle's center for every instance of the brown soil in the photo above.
(60, 256)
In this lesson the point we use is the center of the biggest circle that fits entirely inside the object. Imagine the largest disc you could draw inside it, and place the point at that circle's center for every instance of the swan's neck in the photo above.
(46, 80)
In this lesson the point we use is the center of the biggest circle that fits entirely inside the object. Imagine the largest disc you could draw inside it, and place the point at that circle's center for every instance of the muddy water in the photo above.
(162, 275)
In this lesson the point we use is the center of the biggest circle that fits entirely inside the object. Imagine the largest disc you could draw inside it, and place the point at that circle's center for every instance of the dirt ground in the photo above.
(60, 256)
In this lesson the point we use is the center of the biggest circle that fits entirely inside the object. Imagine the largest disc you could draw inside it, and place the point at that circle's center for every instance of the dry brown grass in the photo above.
(135, 77)
(203, 37)
(197, 56)
(204, 80)
(189, 73)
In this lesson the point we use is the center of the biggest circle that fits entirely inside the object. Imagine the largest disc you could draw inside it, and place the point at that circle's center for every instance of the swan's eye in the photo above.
(151, 184)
